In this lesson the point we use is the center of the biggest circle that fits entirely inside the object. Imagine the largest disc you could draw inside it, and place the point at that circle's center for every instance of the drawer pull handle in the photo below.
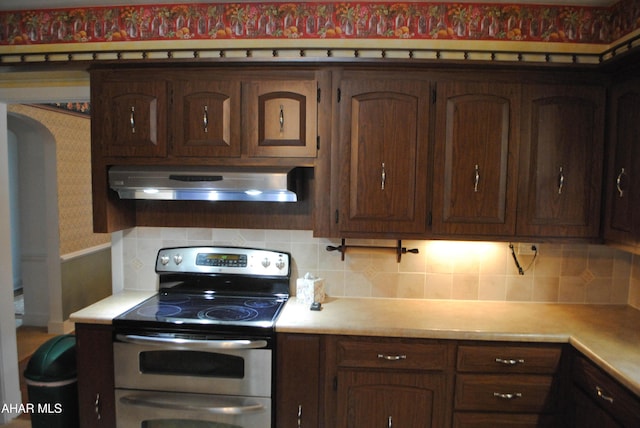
(132, 120)
(299, 415)
(97, 405)
(600, 393)
(392, 357)
(510, 361)
(507, 395)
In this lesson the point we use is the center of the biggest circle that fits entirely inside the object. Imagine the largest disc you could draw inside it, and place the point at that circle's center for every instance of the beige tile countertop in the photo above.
(105, 310)
(607, 334)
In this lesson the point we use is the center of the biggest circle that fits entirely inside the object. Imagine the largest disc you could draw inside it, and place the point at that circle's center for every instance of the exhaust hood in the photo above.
(204, 183)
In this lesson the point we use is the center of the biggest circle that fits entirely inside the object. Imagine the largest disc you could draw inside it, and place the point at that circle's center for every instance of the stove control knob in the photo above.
(164, 260)
(280, 264)
(266, 262)
(177, 259)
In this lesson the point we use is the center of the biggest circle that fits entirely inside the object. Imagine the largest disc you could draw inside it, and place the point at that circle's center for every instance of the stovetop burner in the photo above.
(194, 309)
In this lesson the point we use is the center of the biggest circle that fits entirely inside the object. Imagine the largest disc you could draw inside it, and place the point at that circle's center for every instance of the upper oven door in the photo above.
(229, 367)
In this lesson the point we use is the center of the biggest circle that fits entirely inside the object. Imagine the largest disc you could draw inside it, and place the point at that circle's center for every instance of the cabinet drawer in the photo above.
(513, 393)
(623, 405)
(393, 355)
(504, 420)
(508, 359)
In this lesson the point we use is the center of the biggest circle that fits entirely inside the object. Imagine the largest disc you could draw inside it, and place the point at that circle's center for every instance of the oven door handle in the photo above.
(191, 343)
(189, 402)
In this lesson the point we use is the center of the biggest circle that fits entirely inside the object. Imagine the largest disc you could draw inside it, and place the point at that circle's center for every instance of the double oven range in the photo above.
(200, 353)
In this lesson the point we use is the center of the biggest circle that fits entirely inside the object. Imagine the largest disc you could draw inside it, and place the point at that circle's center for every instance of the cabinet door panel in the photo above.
(474, 190)
(373, 399)
(298, 377)
(207, 118)
(281, 118)
(95, 376)
(383, 134)
(133, 122)
(563, 161)
(623, 224)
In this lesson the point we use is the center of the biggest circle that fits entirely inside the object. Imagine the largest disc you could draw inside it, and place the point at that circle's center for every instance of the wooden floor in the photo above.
(29, 339)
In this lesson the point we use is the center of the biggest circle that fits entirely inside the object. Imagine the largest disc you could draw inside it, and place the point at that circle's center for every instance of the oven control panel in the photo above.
(226, 260)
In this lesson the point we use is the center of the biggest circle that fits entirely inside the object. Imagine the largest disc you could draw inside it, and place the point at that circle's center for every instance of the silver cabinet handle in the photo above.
(619, 182)
(299, 415)
(191, 343)
(281, 118)
(392, 357)
(97, 406)
(477, 179)
(560, 181)
(509, 361)
(132, 119)
(390, 422)
(190, 402)
(205, 119)
(507, 395)
(383, 177)
(601, 394)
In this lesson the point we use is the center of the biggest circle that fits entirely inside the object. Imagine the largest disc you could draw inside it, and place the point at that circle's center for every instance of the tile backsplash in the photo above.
(576, 273)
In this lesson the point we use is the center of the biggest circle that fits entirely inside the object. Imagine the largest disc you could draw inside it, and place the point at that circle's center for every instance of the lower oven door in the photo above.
(224, 367)
(155, 409)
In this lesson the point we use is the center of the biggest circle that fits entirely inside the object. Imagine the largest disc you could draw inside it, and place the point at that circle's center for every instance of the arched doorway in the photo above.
(9, 373)
(38, 220)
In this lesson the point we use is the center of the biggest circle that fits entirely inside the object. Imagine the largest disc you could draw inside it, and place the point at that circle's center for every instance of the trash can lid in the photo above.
(54, 360)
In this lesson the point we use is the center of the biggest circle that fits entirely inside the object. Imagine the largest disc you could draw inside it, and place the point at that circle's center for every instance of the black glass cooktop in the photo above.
(187, 309)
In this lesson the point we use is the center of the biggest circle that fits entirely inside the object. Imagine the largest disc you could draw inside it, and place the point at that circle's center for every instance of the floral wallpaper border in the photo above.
(302, 20)
(76, 108)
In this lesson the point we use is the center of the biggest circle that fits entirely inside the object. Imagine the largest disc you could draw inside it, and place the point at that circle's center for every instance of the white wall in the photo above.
(9, 377)
(14, 207)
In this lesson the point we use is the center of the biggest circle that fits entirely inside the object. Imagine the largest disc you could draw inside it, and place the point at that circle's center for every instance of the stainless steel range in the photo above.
(200, 353)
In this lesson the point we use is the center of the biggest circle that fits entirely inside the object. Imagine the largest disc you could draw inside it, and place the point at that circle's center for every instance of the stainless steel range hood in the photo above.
(204, 183)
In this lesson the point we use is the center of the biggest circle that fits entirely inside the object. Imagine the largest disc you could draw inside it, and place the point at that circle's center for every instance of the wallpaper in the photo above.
(323, 20)
(73, 165)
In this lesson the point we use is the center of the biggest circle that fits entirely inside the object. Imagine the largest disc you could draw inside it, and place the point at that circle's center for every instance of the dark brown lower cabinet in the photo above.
(381, 399)
(94, 352)
(360, 382)
(392, 382)
(599, 400)
(298, 380)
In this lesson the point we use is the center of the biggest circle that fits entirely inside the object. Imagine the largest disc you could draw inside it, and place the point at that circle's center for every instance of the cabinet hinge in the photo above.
(337, 216)
(318, 95)
(335, 383)
(318, 142)
(433, 96)
(339, 94)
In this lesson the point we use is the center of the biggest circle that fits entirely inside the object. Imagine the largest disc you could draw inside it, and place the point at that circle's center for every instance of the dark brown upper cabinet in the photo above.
(476, 143)
(561, 162)
(383, 137)
(281, 117)
(130, 114)
(622, 187)
(206, 116)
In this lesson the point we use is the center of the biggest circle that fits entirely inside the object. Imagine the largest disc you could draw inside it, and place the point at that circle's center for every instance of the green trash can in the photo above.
(52, 384)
